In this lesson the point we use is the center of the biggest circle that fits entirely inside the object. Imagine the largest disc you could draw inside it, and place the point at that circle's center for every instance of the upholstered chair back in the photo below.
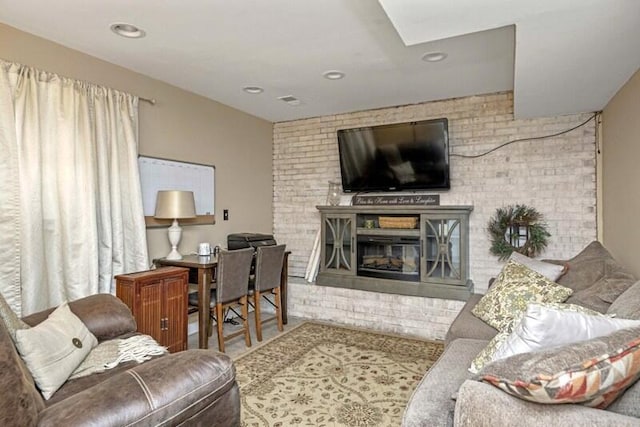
(269, 267)
(232, 275)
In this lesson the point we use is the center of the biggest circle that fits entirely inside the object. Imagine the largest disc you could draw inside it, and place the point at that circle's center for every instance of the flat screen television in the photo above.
(403, 156)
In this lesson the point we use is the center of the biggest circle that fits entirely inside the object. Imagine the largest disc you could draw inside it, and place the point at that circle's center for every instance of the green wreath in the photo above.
(514, 217)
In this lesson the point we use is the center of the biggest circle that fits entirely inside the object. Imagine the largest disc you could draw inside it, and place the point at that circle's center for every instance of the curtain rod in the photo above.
(151, 101)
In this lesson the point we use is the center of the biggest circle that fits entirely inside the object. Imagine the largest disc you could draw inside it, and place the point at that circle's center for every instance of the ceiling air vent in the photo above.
(289, 99)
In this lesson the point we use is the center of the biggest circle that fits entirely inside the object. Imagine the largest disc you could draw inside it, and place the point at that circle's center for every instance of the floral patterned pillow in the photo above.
(593, 373)
(486, 355)
(515, 287)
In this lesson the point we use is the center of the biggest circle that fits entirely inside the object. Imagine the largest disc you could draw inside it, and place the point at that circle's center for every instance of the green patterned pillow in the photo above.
(515, 287)
(486, 355)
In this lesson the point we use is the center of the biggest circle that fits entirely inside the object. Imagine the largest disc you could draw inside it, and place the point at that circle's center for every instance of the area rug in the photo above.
(323, 375)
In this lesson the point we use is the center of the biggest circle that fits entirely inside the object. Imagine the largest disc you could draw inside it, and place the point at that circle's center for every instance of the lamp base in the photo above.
(174, 232)
(174, 255)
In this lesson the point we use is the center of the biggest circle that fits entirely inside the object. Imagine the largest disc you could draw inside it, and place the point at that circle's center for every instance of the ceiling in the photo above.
(558, 56)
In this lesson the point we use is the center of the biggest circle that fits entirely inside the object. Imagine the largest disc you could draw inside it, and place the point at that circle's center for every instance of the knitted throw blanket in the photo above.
(109, 354)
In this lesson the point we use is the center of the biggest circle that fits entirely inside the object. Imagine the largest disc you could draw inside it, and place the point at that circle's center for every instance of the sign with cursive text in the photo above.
(412, 199)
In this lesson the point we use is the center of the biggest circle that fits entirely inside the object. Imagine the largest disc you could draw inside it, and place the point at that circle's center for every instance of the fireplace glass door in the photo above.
(338, 251)
(442, 248)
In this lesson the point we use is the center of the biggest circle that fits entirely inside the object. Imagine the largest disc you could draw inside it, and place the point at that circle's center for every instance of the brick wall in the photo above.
(556, 176)
(400, 314)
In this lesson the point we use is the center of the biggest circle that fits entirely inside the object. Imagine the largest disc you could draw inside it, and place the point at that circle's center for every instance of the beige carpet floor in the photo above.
(323, 375)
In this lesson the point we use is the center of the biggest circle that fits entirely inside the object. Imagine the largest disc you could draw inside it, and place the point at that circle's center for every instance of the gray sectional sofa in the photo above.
(449, 396)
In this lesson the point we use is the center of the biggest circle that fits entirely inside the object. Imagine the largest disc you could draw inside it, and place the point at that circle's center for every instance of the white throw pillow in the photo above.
(487, 355)
(542, 327)
(53, 349)
(548, 270)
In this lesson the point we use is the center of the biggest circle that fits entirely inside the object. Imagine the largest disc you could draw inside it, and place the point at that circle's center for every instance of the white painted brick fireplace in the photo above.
(557, 176)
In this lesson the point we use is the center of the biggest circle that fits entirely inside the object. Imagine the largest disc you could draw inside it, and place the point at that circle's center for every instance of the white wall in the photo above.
(556, 176)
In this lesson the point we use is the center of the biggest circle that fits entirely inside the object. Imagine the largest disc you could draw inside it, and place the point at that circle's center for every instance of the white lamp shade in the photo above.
(174, 204)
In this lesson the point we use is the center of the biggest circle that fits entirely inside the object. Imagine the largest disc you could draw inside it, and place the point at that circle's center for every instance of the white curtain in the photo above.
(69, 188)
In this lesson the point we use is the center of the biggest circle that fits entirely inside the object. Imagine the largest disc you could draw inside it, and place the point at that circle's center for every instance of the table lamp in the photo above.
(175, 205)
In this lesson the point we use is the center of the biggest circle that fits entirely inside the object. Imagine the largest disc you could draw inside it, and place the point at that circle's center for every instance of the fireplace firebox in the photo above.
(389, 257)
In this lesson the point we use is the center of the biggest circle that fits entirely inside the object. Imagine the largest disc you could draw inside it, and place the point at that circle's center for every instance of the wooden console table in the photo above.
(206, 268)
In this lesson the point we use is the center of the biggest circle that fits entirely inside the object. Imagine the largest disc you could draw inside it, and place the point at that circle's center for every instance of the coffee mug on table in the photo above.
(204, 249)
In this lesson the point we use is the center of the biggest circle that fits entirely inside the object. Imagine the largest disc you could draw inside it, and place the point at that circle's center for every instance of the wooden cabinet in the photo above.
(158, 300)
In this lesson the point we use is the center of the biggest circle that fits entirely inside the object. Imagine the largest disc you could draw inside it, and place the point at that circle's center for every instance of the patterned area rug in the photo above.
(322, 375)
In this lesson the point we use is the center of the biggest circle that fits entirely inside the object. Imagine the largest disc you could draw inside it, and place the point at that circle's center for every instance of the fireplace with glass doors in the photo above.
(409, 250)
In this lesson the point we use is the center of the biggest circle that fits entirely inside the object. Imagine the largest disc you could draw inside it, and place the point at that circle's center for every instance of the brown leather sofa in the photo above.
(193, 387)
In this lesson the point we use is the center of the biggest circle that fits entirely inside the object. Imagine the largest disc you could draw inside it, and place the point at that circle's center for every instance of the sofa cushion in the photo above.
(103, 314)
(431, 403)
(593, 373)
(21, 402)
(585, 268)
(627, 305)
(596, 278)
(481, 405)
(53, 349)
(75, 386)
(170, 390)
(549, 270)
(603, 292)
(466, 325)
(628, 403)
(514, 288)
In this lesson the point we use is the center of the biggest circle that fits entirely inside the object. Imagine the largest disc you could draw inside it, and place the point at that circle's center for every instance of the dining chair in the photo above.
(266, 282)
(231, 290)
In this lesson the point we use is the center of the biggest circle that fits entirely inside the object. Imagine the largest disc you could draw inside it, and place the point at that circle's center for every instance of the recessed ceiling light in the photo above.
(253, 90)
(127, 30)
(434, 56)
(333, 75)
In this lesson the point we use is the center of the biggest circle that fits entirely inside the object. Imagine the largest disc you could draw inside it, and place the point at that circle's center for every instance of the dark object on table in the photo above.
(249, 240)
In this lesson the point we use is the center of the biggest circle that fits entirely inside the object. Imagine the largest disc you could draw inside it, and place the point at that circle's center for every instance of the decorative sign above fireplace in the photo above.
(391, 200)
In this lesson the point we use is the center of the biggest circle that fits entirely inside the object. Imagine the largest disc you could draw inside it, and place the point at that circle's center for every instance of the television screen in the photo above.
(403, 156)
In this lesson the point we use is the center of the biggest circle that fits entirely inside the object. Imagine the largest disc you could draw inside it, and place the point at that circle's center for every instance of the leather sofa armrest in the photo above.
(104, 315)
(170, 390)
(483, 405)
